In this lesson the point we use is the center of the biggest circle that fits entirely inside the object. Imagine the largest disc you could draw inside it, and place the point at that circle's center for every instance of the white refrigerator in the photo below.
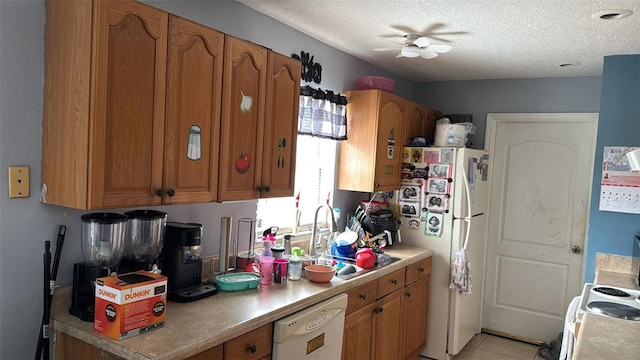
(443, 204)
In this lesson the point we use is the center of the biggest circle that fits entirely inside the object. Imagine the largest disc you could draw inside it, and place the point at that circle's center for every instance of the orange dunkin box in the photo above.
(130, 304)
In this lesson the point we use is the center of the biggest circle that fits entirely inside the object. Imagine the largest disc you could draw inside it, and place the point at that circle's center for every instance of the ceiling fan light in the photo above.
(410, 51)
(422, 42)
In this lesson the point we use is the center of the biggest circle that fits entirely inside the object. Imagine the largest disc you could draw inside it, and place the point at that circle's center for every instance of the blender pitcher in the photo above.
(103, 238)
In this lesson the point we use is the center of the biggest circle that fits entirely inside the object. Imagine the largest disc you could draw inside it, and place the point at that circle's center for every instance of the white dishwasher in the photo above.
(312, 333)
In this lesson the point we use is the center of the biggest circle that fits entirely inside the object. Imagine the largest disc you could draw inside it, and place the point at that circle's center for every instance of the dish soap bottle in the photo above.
(295, 267)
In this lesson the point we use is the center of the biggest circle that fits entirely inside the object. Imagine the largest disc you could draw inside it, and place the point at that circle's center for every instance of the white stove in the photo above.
(609, 301)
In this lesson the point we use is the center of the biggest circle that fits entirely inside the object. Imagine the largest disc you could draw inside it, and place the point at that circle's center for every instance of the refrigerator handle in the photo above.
(467, 218)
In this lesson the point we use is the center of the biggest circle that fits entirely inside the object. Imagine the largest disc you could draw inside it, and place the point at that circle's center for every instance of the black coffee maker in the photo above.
(182, 262)
(102, 248)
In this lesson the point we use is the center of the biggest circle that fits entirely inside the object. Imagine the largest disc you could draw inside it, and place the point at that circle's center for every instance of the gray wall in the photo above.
(577, 94)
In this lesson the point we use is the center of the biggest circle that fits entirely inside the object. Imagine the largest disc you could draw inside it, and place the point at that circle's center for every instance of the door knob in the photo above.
(576, 249)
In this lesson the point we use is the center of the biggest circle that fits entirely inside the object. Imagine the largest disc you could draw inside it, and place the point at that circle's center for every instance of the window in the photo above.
(315, 174)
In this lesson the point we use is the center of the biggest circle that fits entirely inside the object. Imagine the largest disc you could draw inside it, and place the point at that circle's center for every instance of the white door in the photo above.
(540, 175)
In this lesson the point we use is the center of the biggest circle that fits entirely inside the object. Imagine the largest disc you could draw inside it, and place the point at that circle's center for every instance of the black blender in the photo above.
(102, 248)
(144, 240)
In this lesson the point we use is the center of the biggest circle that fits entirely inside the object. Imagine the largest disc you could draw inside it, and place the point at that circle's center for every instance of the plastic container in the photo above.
(375, 82)
(266, 269)
(237, 281)
(454, 135)
(280, 271)
(295, 268)
(266, 248)
(278, 252)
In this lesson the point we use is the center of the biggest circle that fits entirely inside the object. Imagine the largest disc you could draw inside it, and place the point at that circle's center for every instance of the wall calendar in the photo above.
(619, 187)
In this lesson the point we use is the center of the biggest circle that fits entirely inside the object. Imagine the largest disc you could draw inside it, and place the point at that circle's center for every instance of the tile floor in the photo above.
(490, 347)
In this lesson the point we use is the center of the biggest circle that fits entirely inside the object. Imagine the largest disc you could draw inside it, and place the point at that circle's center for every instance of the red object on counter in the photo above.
(365, 258)
(252, 268)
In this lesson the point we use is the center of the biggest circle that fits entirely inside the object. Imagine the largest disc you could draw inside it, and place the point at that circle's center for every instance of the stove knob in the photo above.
(576, 249)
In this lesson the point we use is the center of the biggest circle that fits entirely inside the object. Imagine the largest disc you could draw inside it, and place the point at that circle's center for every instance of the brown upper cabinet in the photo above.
(379, 124)
(132, 110)
(259, 122)
(420, 121)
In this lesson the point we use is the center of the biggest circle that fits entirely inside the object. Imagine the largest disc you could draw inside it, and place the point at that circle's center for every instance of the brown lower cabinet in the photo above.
(254, 345)
(387, 318)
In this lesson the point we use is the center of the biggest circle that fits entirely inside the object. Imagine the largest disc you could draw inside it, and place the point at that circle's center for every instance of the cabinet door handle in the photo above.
(408, 294)
(394, 282)
(421, 269)
(363, 296)
(160, 192)
(171, 192)
(267, 188)
(377, 184)
(253, 349)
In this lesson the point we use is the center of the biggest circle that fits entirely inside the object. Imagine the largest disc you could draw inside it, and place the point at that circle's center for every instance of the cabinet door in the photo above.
(242, 131)
(281, 126)
(253, 345)
(194, 97)
(415, 123)
(388, 323)
(415, 317)
(358, 334)
(128, 104)
(389, 140)
(215, 353)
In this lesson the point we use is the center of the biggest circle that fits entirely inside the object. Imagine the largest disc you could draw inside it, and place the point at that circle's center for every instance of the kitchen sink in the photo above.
(349, 263)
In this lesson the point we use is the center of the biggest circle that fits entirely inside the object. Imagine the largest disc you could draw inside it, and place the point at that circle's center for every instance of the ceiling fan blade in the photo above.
(439, 48)
(388, 48)
(437, 38)
(422, 42)
(432, 28)
(427, 54)
(404, 29)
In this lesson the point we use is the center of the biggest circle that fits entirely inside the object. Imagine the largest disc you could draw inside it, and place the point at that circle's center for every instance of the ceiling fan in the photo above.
(416, 45)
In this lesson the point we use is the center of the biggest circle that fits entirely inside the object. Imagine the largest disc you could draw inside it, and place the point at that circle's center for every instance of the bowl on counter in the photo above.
(319, 273)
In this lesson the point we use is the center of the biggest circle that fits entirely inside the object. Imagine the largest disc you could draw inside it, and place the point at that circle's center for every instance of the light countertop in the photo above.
(602, 337)
(191, 328)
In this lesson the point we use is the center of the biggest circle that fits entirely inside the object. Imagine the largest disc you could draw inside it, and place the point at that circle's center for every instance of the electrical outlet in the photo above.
(18, 181)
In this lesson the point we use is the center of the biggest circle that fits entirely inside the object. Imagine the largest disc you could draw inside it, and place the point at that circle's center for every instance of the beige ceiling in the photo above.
(491, 39)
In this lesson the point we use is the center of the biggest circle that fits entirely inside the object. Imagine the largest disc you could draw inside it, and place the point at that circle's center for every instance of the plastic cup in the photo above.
(295, 268)
(280, 271)
(266, 269)
(296, 251)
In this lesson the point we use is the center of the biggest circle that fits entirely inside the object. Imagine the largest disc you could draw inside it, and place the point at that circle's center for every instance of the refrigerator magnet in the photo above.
(446, 156)
(437, 186)
(439, 170)
(431, 156)
(437, 203)
(433, 225)
(413, 224)
(410, 193)
(408, 209)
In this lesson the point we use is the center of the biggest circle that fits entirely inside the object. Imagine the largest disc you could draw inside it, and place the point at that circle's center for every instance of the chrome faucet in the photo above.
(332, 228)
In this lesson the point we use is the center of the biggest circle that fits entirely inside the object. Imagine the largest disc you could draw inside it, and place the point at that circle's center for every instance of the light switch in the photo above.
(18, 181)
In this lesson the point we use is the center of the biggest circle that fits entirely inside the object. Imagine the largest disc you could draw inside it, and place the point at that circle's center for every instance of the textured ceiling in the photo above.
(491, 39)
